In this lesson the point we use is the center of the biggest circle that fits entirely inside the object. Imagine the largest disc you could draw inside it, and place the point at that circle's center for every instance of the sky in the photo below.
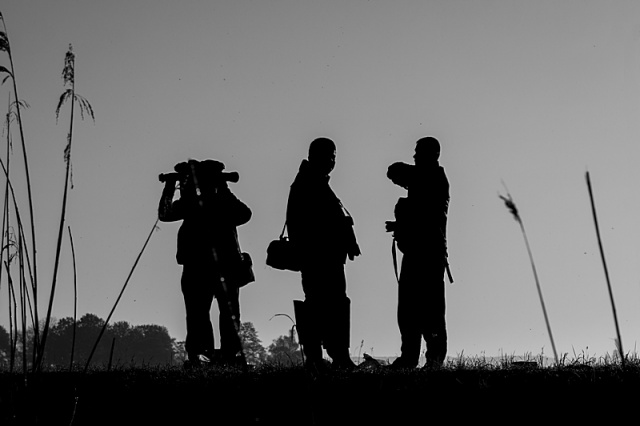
(523, 95)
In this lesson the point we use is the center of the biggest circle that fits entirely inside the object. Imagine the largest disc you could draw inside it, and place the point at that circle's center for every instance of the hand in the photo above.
(169, 188)
(354, 251)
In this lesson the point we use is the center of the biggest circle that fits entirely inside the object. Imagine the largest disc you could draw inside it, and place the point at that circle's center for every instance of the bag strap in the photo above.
(284, 228)
(394, 255)
(344, 208)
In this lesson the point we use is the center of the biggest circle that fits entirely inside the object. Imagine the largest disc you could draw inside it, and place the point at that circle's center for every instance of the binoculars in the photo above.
(233, 177)
(202, 169)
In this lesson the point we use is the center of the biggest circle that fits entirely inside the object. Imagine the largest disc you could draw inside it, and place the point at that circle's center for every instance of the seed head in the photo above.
(508, 202)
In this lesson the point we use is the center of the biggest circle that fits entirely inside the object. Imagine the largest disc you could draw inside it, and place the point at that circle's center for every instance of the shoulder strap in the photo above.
(344, 209)
(394, 255)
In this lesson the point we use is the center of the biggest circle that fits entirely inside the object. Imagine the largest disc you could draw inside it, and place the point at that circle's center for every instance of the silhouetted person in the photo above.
(209, 253)
(323, 234)
(420, 232)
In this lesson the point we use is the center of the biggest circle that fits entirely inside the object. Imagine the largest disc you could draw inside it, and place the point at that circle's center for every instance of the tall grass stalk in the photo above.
(5, 46)
(606, 271)
(4, 237)
(18, 218)
(113, 344)
(511, 206)
(75, 299)
(68, 76)
(133, 268)
(13, 319)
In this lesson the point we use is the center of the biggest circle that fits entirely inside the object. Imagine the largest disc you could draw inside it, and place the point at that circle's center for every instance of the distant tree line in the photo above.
(125, 345)
(68, 343)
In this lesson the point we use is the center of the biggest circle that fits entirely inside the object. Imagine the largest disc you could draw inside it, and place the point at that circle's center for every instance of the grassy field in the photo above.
(462, 392)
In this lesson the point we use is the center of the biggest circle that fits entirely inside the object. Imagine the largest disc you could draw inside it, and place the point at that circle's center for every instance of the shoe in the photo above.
(317, 366)
(432, 365)
(196, 361)
(369, 363)
(402, 364)
(345, 364)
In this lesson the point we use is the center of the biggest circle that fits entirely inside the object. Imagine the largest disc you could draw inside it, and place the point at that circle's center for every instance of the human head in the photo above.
(322, 154)
(205, 175)
(427, 150)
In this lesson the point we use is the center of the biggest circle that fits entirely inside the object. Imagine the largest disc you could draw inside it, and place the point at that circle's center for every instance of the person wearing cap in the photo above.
(420, 232)
(210, 256)
(322, 231)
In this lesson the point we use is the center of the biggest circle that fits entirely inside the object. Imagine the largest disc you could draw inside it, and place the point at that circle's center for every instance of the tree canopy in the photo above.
(284, 351)
(132, 345)
(254, 352)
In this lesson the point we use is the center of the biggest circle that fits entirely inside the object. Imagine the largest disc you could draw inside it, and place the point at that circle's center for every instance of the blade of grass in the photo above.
(511, 206)
(606, 271)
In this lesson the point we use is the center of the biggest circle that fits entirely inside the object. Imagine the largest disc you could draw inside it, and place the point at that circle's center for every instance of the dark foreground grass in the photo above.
(276, 395)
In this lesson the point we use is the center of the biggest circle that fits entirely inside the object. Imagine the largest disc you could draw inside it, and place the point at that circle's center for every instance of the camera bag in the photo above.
(281, 254)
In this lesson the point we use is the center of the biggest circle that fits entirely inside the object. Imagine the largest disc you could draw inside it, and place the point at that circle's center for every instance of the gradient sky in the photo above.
(532, 93)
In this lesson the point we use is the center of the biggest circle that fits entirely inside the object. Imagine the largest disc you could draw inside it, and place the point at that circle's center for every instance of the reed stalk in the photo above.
(133, 268)
(75, 299)
(5, 46)
(606, 271)
(113, 344)
(68, 76)
(13, 318)
(511, 206)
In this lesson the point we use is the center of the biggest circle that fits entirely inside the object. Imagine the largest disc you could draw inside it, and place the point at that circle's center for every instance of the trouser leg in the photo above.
(229, 320)
(408, 324)
(308, 333)
(435, 332)
(198, 293)
(410, 297)
(338, 327)
(328, 310)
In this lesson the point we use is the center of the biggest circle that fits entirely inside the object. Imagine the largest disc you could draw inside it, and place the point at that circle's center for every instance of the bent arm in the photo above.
(168, 210)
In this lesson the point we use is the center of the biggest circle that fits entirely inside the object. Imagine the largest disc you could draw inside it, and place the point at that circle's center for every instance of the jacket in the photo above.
(208, 231)
(421, 217)
(317, 223)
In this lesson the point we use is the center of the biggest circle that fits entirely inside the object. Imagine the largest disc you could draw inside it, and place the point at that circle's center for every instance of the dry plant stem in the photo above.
(13, 319)
(106, 322)
(58, 245)
(5, 216)
(23, 307)
(28, 179)
(68, 75)
(514, 211)
(21, 235)
(606, 271)
(113, 344)
(75, 299)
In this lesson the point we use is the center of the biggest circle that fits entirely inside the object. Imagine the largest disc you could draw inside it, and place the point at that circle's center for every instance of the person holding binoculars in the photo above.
(208, 250)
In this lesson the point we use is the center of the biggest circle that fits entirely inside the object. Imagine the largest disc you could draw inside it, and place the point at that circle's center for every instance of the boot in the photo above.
(338, 336)
(308, 335)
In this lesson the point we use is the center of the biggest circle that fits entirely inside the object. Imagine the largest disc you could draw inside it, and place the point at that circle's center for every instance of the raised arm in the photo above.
(169, 210)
